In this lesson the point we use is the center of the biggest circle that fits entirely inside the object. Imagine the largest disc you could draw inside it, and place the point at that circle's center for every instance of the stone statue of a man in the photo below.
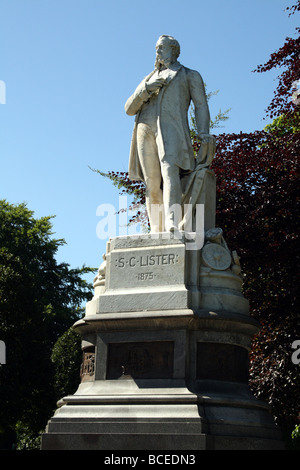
(161, 148)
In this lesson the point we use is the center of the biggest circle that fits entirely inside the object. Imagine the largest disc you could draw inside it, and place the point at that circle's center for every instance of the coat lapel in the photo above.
(135, 170)
(170, 73)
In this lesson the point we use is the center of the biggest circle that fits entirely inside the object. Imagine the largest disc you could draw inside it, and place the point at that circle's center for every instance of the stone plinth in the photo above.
(165, 354)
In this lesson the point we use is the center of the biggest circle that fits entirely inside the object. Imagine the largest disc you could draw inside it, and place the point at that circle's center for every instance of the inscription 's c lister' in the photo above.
(146, 260)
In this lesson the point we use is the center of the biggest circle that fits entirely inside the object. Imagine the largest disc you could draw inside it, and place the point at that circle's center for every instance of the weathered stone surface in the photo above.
(156, 386)
(161, 147)
(163, 272)
(146, 267)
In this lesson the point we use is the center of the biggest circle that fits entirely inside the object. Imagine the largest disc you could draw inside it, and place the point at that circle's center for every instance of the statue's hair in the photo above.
(173, 43)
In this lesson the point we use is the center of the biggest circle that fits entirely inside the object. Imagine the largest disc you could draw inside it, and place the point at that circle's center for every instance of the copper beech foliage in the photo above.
(257, 207)
(288, 58)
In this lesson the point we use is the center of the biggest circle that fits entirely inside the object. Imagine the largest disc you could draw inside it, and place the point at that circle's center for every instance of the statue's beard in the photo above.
(161, 64)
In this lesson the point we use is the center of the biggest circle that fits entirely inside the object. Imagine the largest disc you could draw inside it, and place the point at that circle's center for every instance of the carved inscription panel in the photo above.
(142, 360)
(146, 267)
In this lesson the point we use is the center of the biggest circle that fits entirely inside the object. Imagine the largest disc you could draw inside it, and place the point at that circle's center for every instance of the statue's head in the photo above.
(167, 51)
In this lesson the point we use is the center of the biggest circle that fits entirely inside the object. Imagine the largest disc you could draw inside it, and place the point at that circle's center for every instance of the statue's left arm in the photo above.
(208, 142)
(199, 99)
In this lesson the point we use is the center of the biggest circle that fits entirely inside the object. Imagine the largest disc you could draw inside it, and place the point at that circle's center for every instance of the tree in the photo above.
(287, 58)
(66, 365)
(39, 300)
(257, 206)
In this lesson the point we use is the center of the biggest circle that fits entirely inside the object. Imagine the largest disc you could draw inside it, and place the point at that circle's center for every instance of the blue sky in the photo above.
(70, 65)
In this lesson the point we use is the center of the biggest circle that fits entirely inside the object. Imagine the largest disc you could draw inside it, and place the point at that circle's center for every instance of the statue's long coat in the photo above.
(173, 139)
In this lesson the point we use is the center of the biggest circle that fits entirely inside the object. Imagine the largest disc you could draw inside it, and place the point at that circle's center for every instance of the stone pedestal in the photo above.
(165, 353)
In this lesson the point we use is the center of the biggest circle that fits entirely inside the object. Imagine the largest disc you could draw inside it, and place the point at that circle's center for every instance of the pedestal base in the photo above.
(176, 381)
(165, 356)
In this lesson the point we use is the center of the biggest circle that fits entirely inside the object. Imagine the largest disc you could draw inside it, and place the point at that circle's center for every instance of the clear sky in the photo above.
(69, 66)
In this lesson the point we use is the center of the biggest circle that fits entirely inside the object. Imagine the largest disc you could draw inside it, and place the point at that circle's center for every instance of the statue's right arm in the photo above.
(137, 99)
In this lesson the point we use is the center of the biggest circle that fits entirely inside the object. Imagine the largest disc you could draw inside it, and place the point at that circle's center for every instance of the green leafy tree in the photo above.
(39, 300)
(66, 358)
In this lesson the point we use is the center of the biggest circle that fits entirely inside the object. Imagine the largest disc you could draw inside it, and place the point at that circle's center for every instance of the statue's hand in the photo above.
(207, 149)
(207, 139)
(154, 84)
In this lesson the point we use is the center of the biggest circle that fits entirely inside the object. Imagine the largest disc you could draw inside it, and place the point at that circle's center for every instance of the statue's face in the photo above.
(163, 51)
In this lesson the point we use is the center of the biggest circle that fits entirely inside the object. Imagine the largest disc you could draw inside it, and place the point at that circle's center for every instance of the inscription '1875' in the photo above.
(146, 260)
